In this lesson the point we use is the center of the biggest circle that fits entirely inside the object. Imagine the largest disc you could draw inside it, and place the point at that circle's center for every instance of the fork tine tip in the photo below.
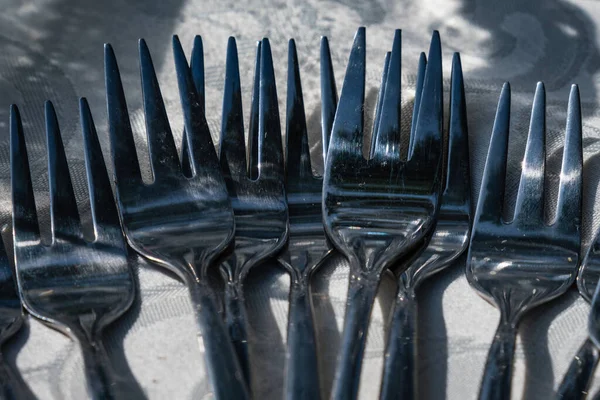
(574, 90)
(540, 86)
(176, 41)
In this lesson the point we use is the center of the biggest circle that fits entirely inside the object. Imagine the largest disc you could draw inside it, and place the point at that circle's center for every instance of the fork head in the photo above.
(377, 210)
(256, 189)
(72, 283)
(307, 243)
(183, 223)
(519, 264)
(453, 227)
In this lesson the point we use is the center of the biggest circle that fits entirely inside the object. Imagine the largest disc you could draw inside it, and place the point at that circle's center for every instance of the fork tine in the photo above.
(428, 131)
(270, 151)
(328, 94)
(418, 92)
(24, 216)
(197, 67)
(163, 153)
(202, 150)
(378, 107)
(568, 213)
(297, 150)
(348, 125)
(253, 129)
(125, 162)
(458, 174)
(232, 149)
(102, 203)
(387, 134)
(491, 195)
(64, 218)
(529, 206)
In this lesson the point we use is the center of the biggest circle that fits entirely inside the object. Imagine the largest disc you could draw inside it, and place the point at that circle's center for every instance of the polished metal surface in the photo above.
(307, 246)
(378, 210)
(183, 223)
(12, 385)
(256, 189)
(579, 376)
(520, 264)
(73, 284)
(448, 242)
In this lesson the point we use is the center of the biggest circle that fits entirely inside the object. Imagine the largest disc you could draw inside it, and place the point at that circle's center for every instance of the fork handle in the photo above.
(224, 371)
(302, 376)
(497, 374)
(579, 375)
(102, 381)
(362, 290)
(399, 378)
(236, 320)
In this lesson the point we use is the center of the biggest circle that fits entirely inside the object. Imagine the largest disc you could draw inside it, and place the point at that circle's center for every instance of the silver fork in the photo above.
(258, 200)
(448, 242)
(576, 381)
(376, 211)
(307, 247)
(181, 223)
(521, 264)
(75, 285)
(12, 385)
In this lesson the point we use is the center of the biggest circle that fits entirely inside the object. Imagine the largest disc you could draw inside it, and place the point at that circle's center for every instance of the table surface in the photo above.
(52, 49)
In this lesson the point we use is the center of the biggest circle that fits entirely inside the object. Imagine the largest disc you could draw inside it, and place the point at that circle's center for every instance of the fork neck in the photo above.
(367, 264)
(234, 269)
(102, 380)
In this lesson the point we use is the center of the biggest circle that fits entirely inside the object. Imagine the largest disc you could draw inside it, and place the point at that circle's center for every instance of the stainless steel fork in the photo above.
(307, 247)
(183, 223)
(577, 380)
(448, 242)
(258, 199)
(521, 264)
(259, 202)
(11, 321)
(378, 210)
(75, 285)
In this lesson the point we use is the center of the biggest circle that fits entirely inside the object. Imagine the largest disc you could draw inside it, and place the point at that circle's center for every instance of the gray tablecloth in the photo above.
(52, 49)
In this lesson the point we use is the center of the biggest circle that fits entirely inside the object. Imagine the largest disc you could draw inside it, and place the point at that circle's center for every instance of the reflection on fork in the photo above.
(380, 209)
(75, 285)
(307, 246)
(521, 264)
(183, 223)
(448, 242)
(256, 188)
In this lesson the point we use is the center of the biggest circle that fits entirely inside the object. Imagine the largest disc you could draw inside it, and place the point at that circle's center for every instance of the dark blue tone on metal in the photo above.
(520, 264)
(381, 209)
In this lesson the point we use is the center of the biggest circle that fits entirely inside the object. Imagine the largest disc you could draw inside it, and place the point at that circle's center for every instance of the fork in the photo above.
(378, 210)
(448, 242)
(181, 223)
(307, 246)
(11, 321)
(576, 381)
(72, 284)
(259, 202)
(521, 264)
